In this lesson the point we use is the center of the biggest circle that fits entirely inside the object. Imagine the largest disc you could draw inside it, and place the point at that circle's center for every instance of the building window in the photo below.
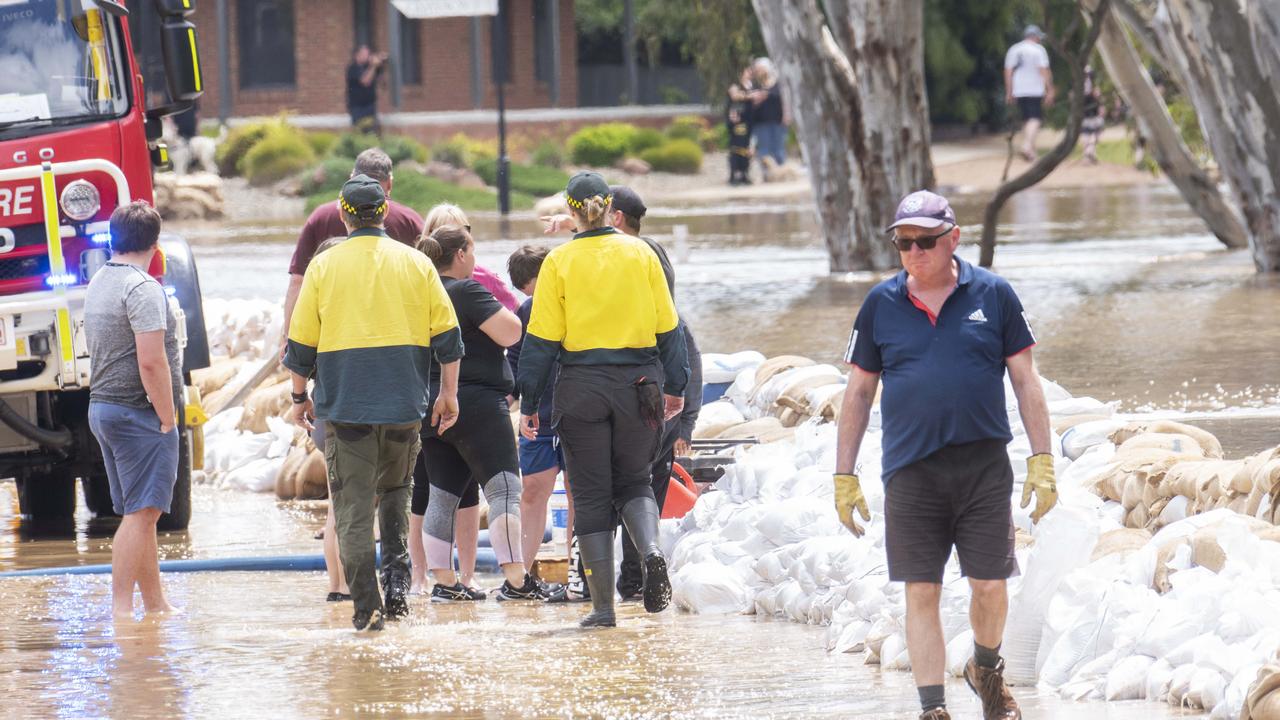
(265, 36)
(544, 38)
(410, 51)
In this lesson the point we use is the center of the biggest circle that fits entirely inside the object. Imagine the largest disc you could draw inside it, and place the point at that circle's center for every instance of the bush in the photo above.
(675, 156)
(461, 151)
(601, 145)
(282, 152)
(687, 127)
(548, 153)
(644, 138)
(535, 180)
(349, 145)
(327, 177)
(714, 138)
(397, 147)
(232, 150)
(421, 193)
(322, 141)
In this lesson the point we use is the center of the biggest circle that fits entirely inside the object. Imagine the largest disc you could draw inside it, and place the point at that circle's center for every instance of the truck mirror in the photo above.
(175, 8)
(181, 60)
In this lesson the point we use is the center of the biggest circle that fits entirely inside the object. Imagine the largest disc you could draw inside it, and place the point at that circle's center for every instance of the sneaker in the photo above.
(368, 621)
(935, 714)
(530, 590)
(453, 593)
(397, 605)
(554, 592)
(337, 597)
(475, 593)
(988, 684)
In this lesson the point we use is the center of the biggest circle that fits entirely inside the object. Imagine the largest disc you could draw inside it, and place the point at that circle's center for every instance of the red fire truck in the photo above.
(77, 140)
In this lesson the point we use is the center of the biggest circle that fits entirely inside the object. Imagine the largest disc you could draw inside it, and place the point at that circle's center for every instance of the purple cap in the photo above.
(923, 209)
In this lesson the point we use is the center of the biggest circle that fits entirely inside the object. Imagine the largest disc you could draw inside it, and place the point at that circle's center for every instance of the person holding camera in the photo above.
(362, 89)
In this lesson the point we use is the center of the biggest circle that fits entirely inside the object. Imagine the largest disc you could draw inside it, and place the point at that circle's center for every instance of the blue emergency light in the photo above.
(63, 280)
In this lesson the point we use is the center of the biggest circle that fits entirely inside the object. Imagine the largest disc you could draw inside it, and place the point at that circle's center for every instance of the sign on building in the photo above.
(419, 9)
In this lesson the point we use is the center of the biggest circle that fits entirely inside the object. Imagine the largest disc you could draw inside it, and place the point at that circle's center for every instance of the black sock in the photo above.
(932, 696)
(985, 656)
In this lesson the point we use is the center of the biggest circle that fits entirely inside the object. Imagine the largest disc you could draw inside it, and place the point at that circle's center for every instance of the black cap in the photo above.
(363, 197)
(584, 185)
(628, 201)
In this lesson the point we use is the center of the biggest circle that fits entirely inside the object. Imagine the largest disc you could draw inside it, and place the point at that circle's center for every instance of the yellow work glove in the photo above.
(848, 497)
(1040, 480)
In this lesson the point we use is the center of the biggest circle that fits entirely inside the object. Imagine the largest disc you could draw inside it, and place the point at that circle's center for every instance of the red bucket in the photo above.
(681, 494)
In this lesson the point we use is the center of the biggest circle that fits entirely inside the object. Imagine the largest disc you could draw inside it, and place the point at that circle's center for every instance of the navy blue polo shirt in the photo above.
(943, 377)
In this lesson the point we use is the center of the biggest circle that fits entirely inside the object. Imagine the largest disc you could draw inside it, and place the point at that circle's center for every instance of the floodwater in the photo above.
(1131, 300)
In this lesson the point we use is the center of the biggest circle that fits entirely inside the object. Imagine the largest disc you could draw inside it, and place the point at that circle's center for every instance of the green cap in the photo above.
(363, 197)
(584, 185)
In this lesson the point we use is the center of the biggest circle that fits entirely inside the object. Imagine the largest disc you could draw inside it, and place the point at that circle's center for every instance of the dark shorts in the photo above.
(1031, 108)
(539, 454)
(142, 463)
(422, 490)
(958, 496)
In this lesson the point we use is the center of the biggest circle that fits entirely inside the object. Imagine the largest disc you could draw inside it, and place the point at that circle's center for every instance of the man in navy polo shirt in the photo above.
(941, 335)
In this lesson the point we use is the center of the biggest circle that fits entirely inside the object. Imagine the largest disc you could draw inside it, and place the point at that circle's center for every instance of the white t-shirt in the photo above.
(1026, 59)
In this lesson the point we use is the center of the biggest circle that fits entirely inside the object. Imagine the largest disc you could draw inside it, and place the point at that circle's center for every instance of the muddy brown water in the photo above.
(1131, 300)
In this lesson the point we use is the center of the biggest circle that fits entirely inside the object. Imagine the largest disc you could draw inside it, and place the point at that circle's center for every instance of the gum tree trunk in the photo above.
(1228, 57)
(1170, 152)
(853, 73)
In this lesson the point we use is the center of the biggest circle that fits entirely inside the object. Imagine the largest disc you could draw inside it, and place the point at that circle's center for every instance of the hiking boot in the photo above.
(337, 597)
(935, 714)
(530, 590)
(368, 621)
(397, 605)
(988, 684)
(456, 592)
(657, 586)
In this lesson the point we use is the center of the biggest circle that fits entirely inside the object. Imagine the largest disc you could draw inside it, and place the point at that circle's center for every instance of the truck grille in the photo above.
(24, 267)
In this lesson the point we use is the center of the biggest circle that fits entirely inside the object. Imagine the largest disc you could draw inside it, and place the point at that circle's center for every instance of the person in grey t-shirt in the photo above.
(133, 352)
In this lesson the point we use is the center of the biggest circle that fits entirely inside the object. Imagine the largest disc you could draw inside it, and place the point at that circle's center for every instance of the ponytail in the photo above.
(593, 213)
(442, 244)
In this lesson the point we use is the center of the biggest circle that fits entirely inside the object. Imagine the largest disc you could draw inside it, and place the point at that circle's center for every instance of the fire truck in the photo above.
(77, 140)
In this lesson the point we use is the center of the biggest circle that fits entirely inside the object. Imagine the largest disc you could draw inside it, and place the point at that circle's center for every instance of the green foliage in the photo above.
(282, 152)
(232, 150)
(397, 147)
(1184, 116)
(714, 138)
(600, 145)
(687, 127)
(672, 95)
(349, 145)
(675, 156)
(322, 141)
(327, 176)
(534, 180)
(644, 138)
(462, 152)
(421, 192)
(548, 153)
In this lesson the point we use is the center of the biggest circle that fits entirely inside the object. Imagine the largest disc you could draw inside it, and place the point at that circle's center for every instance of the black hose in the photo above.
(60, 439)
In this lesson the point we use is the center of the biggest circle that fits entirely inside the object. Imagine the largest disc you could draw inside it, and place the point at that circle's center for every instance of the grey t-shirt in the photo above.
(122, 301)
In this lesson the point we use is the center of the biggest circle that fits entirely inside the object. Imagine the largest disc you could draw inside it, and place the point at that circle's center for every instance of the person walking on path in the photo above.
(941, 334)
(133, 399)
(1028, 82)
(370, 315)
(621, 350)
(362, 89)
(325, 222)
(481, 447)
(737, 122)
(768, 115)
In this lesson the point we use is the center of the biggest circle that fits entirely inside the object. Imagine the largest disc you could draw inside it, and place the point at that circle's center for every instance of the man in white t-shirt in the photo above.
(1027, 80)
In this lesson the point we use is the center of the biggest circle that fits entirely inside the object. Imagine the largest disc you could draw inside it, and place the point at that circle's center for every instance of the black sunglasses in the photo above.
(928, 242)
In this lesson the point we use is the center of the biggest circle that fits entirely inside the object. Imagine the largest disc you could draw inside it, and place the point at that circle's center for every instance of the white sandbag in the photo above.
(1205, 689)
(1079, 406)
(959, 650)
(1175, 510)
(708, 588)
(739, 393)
(893, 653)
(255, 476)
(1159, 675)
(1128, 679)
(718, 413)
(1180, 683)
(797, 519)
(853, 637)
(720, 368)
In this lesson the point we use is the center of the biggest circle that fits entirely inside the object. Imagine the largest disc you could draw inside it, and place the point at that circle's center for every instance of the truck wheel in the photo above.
(179, 515)
(47, 497)
(97, 494)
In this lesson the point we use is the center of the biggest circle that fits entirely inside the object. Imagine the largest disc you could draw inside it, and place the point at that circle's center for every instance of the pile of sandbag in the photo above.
(197, 196)
(244, 329)
(770, 398)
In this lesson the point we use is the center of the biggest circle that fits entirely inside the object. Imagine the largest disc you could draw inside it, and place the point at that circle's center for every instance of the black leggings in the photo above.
(608, 446)
(482, 445)
(422, 487)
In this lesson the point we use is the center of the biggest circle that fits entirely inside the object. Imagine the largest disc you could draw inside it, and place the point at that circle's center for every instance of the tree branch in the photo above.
(840, 66)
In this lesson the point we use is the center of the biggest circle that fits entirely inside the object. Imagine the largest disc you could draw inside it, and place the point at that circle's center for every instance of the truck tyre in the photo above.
(47, 497)
(179, 515)
(97, 494)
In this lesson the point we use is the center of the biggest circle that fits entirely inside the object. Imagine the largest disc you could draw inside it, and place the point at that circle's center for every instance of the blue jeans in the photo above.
(771, 141)
(141, 462)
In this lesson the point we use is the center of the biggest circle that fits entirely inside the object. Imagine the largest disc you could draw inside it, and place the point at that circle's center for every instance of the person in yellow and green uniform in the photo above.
(370, 314)
(602, 309)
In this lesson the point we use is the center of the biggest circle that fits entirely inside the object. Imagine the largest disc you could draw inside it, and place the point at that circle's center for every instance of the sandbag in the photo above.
(311, 482)
(1173, 442)
(1128, 679)
(1120, 542)
(779, 364)
(286, 478)
(709, 588)
(1263, 702)
(265, 402)
(216, 376)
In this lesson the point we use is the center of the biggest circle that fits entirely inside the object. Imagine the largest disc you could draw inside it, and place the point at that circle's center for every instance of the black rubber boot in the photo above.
(640, 515)
(597, 557)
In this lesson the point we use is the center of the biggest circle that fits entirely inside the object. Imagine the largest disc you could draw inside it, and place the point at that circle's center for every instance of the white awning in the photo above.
(419, 9)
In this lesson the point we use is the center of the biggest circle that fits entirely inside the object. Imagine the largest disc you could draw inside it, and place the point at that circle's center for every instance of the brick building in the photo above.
(260, 57)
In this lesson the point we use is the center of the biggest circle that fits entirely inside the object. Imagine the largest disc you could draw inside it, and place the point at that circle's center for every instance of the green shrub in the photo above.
(232, 150)
(601, 145)
(644, 138)
(327, 177)
(535, 180)
(322, 141)
(714, 138)
(548, 153)
(676, 156)
(282, 152)
(421, 193)
(349, 145)
(397, 147)
(687, 127)
(461, 151)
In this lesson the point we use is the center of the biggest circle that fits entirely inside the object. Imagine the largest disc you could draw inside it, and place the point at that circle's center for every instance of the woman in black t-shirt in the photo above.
(482, 444)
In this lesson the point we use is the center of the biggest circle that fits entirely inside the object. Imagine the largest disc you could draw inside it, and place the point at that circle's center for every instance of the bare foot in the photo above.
(122, 615)
(167, 609)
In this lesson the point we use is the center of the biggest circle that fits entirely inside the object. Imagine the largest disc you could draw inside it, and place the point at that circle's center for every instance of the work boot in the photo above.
(368, 620)
(397, 605)
(988, 684)
(596, 550)
(935, 714)
(631, 573)
(640, 515)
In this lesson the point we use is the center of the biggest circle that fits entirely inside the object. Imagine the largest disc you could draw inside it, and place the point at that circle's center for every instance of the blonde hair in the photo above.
(444, 214)
(593, 213)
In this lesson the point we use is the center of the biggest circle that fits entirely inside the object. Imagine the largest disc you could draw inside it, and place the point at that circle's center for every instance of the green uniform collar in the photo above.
(368, 232)
(607, 230)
